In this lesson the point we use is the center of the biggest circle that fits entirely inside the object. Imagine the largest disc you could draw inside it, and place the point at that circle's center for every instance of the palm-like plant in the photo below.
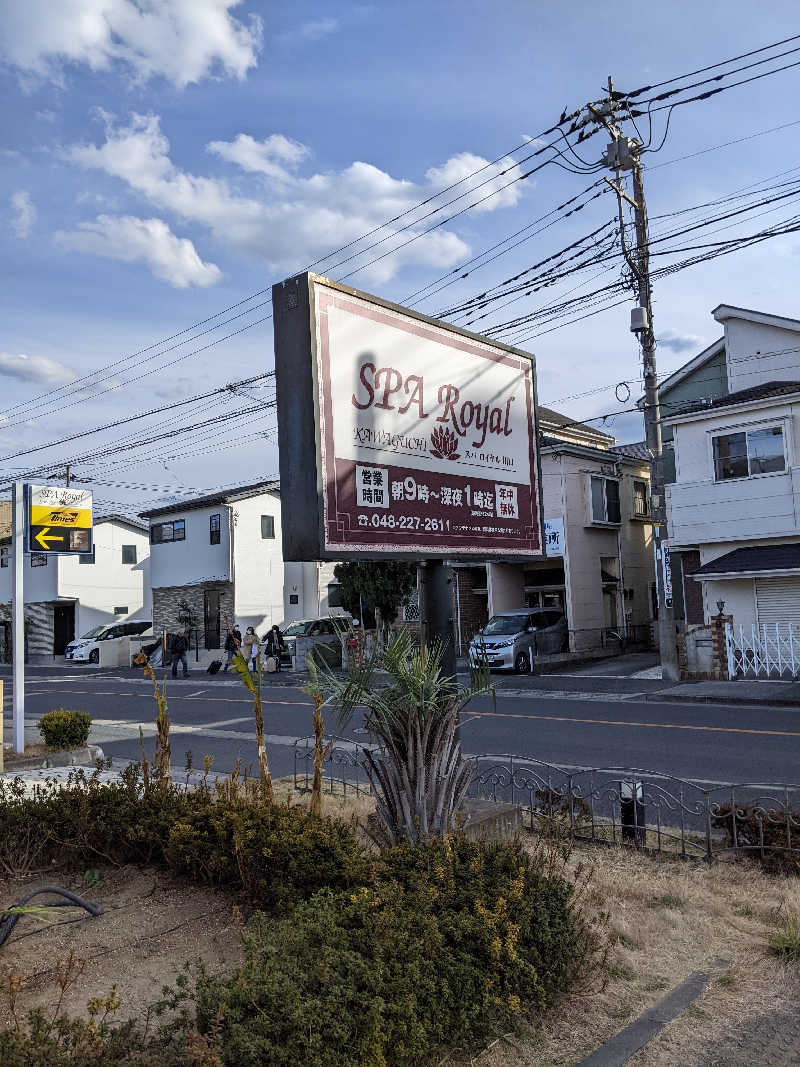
(419, 774)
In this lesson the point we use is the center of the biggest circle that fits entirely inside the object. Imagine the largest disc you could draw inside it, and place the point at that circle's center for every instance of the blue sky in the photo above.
(164, 159)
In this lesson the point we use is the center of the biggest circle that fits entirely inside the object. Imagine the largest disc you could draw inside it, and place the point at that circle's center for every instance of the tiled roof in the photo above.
(227, 496)
(636, 450)
(754, 559)
(742, 396)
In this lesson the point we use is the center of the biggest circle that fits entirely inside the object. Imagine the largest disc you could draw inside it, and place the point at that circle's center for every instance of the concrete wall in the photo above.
(179, 563)
(257, 564)
(505, 585)
(756, 354)
(108, 583)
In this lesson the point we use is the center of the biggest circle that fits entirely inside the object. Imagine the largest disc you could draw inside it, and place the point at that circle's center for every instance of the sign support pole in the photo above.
(18, 616)
(436, 611)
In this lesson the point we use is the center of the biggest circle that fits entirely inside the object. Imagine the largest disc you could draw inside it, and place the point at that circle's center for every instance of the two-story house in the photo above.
(732, 420)
(66, 596)
(218, 559)
(599, 566)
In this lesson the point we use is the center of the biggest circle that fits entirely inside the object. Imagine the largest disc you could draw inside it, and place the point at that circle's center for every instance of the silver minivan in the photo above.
(511, 640)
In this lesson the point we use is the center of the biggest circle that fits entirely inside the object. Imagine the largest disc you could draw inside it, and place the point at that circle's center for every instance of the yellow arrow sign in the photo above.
(43, 538)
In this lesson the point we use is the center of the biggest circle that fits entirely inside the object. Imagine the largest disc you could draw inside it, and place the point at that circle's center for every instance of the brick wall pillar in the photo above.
(470, 608)
(719, 654)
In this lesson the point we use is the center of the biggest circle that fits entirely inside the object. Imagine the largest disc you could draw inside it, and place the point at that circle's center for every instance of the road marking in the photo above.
(199, 693)
(622, 722)
(174, 696)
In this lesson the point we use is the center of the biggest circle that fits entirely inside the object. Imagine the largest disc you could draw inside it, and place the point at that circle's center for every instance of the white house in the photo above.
(66, 596)
(217, 559)
(732, 416)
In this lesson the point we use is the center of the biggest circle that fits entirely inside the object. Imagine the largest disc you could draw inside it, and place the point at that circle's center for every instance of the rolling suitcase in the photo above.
(214, 666)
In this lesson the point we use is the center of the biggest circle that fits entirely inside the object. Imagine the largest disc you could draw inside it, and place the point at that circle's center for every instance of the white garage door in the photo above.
(778, 601)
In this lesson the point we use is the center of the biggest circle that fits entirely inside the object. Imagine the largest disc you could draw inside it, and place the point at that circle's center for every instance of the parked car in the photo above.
(86, 649)
(512, 639)
(325, 631)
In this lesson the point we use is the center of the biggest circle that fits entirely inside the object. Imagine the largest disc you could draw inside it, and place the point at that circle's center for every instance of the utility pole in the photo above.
(625, 153)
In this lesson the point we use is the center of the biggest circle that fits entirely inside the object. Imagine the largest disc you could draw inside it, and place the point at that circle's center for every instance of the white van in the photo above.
(86, 649)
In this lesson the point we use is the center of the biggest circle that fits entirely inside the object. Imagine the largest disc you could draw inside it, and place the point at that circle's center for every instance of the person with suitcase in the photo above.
(250, 647)
(233, 640)
(273, 643)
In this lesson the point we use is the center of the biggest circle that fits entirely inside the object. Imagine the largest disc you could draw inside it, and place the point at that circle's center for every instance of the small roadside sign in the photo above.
(59, 520)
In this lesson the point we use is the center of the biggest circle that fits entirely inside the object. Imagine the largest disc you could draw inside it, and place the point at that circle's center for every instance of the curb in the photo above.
(662, 698)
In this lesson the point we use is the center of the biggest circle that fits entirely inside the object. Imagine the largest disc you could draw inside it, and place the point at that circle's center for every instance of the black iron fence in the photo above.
(612, 805)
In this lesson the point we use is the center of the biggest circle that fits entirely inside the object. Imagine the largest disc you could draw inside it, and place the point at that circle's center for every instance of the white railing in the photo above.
(768, 651)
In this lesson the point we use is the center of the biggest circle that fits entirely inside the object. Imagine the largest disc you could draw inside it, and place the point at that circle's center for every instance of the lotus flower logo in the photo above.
(444, 444)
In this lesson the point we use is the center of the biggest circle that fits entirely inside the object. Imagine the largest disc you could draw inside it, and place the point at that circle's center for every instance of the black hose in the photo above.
(72, 900)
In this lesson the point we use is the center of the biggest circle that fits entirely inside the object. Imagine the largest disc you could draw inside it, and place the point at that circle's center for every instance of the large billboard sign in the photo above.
(59, 520)
(400, 435)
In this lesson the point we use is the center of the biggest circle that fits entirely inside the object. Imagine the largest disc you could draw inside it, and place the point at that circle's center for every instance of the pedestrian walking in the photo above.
(179, 648)
(250, 647)
(232, 645)
(274, 646)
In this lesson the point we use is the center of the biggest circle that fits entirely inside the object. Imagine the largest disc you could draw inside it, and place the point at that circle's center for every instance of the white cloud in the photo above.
(293, 219)
(274, 156)
(39, 369)
(151, 241)
(309, 32)
(183, 40)
(24, 213)
(492, 179)
(680, 342)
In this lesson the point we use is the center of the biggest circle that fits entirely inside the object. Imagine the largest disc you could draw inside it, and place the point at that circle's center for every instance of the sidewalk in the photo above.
(772, 694)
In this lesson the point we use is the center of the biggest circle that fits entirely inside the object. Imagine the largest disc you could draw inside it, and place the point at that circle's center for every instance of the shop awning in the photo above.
(762, 561)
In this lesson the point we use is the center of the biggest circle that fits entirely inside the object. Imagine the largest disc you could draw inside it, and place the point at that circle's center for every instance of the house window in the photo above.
(605, 499)
(39, 559)
(750, 452)
(87, 557)
(267, 526)
(214, 529)
(4, 557)
(641, 500)
(129, 553)
(162, 532)
(335, 595)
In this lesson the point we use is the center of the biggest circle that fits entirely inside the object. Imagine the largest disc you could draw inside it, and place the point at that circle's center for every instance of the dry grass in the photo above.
(668, 919)
(150, 926)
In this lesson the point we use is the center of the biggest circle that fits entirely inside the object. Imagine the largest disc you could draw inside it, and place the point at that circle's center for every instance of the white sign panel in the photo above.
(427, 440)
(554, 537)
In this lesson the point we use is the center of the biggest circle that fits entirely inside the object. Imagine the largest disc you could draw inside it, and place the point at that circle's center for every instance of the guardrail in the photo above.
(608, 805)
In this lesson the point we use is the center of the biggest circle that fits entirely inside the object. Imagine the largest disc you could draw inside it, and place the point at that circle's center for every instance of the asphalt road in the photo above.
(577, 722)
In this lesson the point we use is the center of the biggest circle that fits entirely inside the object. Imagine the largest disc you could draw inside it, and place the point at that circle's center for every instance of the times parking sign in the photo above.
(59, 520)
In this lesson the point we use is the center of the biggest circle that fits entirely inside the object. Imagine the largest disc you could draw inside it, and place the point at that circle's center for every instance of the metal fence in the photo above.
(767, 651)
(342, 765)
(611, 805)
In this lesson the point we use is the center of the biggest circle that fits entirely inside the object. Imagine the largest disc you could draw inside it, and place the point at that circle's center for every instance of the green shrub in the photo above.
(270, 854)
(443, 945)
(785, 942)
(65, 729)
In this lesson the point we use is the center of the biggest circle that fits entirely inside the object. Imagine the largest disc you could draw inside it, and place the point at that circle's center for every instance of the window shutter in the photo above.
(778, 601)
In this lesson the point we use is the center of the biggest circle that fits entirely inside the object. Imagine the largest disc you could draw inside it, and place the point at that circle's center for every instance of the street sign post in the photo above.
(402, 437)
(49, 520)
